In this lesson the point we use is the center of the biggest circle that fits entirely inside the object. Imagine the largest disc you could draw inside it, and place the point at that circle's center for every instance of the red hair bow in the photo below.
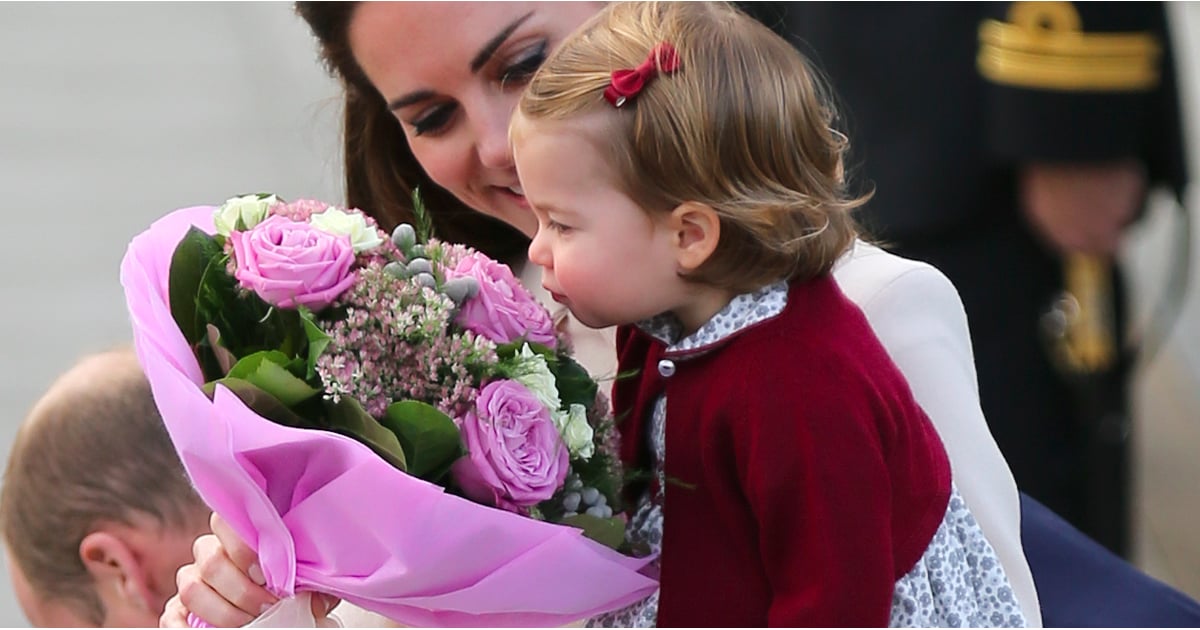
(627, 83)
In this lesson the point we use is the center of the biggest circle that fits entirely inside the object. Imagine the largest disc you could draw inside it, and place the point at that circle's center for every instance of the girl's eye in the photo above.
(558, 227)
(434, 121)
(521, 70)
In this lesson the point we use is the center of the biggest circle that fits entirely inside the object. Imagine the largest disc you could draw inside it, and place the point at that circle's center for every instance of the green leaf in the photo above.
(263, 403)
(189, 265)
(349, 418)
(266, 370)
(509, 350)
(609, 532)
(285, 331)
(575, 386)
(430, 438)
(345, 417)
(317, 341)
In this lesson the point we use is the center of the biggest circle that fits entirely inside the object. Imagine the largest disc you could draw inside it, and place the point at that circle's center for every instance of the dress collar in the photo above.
(742, 312)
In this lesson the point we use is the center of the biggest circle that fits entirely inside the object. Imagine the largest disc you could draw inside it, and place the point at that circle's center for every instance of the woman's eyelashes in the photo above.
(435, 120)
(515, 74)
(526, 63)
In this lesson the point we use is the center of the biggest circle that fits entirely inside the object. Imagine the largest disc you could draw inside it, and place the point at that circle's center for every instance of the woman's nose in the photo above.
(492, 144)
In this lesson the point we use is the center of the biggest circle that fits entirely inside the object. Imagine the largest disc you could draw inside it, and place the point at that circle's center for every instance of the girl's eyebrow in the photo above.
(478, 61)
(548, 208)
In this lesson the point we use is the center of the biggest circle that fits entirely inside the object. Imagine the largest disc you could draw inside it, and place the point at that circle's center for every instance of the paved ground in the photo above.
(112, 114)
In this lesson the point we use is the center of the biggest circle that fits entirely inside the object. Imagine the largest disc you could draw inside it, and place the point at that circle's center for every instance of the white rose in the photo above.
(530, 370)
(575, 430)
(249, 209)
(352, 224)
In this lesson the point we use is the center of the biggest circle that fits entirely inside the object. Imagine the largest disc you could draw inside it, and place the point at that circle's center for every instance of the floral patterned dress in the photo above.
(958, 582)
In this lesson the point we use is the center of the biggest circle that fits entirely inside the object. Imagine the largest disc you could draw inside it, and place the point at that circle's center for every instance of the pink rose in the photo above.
(515, 457)
(503, 310)
(288, 263)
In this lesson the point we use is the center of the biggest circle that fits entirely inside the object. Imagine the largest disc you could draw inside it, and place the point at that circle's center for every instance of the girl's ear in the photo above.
(697, 231)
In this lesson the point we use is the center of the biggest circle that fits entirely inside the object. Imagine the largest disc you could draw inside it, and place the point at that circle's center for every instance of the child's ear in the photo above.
(697, 230)
(119, 576)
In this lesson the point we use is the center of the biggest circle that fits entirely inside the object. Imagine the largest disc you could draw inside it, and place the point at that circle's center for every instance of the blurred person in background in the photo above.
(96, 511)
(1010, 145)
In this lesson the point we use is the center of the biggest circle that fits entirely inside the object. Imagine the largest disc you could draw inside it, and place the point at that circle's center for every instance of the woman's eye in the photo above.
(522, 69)
(434, 121)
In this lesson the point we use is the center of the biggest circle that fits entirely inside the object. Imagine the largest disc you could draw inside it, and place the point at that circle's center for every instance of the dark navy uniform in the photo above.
(943, 102)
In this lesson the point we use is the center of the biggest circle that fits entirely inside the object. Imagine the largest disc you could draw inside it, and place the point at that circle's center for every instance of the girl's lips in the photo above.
(561, 299)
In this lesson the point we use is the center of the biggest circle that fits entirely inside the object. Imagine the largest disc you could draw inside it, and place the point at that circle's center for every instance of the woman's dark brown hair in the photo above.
(380, 170)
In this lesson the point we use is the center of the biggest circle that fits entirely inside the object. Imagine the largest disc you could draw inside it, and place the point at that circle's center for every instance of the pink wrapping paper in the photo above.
(326, 514)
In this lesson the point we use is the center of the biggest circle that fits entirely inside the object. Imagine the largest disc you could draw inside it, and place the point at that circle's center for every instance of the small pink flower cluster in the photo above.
(395, 342)
(301, 210)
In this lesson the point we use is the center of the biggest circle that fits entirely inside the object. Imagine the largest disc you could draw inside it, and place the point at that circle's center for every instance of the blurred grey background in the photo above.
(112, 115)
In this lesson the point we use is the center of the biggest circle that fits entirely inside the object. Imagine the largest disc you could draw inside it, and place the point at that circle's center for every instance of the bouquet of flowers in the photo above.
(391, 420)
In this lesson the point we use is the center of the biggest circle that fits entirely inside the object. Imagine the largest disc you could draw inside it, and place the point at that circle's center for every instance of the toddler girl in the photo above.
(688, 187)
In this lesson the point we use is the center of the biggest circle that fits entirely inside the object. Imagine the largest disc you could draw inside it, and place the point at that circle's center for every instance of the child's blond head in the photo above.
(743, 126)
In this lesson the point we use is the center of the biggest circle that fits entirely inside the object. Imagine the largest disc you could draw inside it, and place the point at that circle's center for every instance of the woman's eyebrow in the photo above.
(478, 61)
(485, 53)
(409, 99)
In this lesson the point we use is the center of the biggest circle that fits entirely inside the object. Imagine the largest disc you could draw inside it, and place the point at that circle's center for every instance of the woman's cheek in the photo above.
(443, 162)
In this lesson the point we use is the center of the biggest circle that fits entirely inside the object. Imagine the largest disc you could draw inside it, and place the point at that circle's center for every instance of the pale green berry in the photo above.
(419, 265)
(599, 511)
(404, 236)
(396, 270)
(570, 501)
(472, 286)
(456, 289)
(426, 280)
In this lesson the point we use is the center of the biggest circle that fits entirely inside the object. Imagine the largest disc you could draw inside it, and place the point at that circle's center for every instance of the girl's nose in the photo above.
(539, 250)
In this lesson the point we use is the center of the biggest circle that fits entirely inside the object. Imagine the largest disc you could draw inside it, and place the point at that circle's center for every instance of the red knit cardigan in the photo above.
(803, 479)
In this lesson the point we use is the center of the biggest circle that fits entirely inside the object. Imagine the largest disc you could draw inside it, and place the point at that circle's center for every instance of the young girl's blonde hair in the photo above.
(743, 126)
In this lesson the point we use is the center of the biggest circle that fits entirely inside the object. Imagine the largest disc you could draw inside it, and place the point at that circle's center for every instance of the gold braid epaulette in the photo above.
(1043, 46)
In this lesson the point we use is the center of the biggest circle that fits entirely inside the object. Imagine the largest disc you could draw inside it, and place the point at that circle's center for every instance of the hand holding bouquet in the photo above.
(390, 420)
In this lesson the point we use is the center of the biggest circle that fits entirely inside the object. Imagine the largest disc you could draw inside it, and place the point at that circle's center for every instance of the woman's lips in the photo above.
(517, 196)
